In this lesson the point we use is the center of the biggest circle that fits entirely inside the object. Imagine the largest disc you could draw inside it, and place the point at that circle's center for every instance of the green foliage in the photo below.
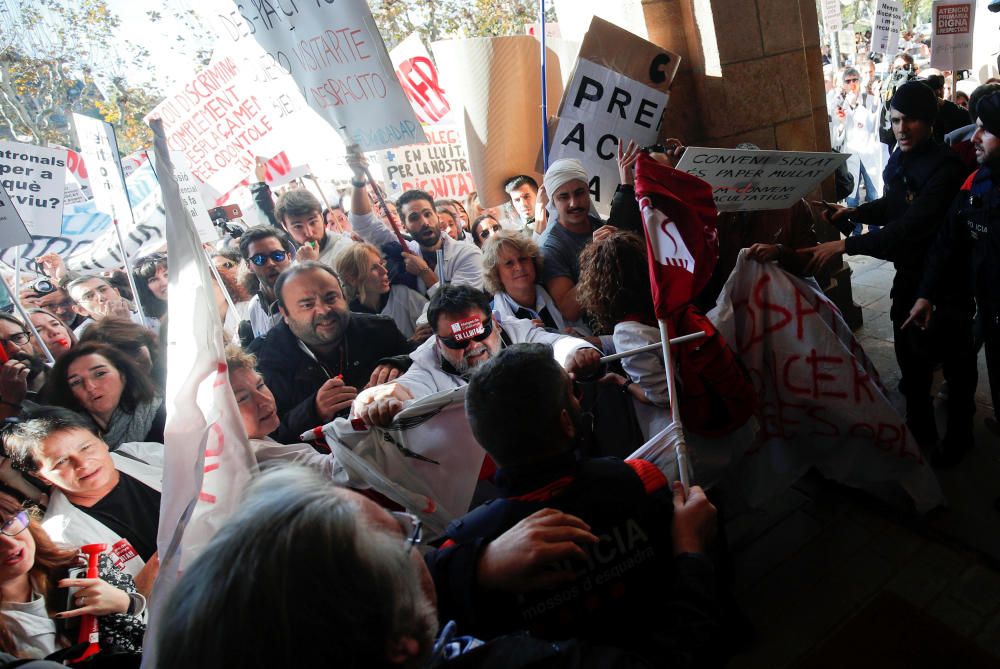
(441, 19)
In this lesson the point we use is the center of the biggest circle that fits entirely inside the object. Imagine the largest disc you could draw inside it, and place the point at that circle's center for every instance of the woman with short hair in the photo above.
(512, 271)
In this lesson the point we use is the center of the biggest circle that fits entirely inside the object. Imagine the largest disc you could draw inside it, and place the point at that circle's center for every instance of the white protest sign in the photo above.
(846, 43)
(747, 180)
(34, 178)
(218, 123)
(953, 23)
(336, 55)
(820, 400)
(885, 33)
(833, 20)
(619, 90)
(100, 150)
(190, 197)
(440, 166)
(12, 230)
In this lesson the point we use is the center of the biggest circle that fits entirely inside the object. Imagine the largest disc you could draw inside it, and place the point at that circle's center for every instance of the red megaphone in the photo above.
(89, 630)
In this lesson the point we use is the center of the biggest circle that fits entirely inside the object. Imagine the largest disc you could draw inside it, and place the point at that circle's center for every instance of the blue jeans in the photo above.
(855, 199)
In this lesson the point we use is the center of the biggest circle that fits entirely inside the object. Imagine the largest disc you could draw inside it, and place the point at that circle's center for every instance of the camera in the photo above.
(994, 6)
(221, 217)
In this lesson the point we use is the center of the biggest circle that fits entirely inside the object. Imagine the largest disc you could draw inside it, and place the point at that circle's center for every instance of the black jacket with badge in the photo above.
(294, 376)
(919, 187)
(631, 592)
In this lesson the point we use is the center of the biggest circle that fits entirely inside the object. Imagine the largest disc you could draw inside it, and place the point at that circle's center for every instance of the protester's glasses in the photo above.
(15, 525)
(456, 345)
(411, 527)
(21, 338)
(261, 258)
(851, 81)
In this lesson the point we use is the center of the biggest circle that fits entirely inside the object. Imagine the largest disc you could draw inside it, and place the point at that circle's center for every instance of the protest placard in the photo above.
(336, 55)
(821, 403)
(440, 166)
(619, 90)
(190, 197)
(12, 229)
(34, 178)
(833, 20)
(885, 32)
(218, 123)
(846, 43)
(952, 22)
(746, 180)
(100, 149)
(497, 83)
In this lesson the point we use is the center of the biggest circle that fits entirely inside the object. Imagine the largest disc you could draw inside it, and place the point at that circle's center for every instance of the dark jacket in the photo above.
(919, 188)
(293, 376)
(968, 246)
(632, 592)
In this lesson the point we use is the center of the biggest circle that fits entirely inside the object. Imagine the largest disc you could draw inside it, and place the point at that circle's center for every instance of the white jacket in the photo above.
(67, 524)
(463, 263)
(325, 463)
(426, 377)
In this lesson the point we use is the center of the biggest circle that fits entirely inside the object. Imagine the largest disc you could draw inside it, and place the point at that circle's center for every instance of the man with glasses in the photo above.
(467, 335)
(268, 252)
(460, 264)
(854, 124)
(45, 293)
(23, 371)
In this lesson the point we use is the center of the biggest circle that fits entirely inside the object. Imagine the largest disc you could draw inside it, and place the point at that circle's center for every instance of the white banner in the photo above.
(34, 178)
(336, 55)
(219, 124)
(209, 461)
(100, 150)
(885, 33)
(821, 402)
(747, 180)
(12, 229)
(190, 197)
(952, 22)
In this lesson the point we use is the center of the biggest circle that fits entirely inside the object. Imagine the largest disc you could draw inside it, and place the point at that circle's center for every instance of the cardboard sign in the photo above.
(885, 32)
(100, 150)
(12, 229)
(745, 180)
(34, 178)
(336, 55)
(497, 81)
(952, 22)
(821, 402)
(218, 123)
(833, 20)
(618, 91)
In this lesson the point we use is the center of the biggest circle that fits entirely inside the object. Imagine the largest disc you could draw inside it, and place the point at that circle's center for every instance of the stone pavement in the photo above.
(818, 553)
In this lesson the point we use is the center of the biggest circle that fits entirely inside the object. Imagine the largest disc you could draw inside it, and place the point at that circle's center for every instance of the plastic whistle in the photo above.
(63, 342)
(89, 629)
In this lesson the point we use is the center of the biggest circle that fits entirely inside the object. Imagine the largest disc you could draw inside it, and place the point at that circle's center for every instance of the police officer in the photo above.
(921, 180)
(972, 239)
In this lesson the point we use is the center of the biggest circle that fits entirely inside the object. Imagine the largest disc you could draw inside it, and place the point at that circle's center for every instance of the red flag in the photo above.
(679, 216)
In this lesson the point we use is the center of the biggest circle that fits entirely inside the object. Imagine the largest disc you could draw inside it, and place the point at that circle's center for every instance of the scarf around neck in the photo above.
(125, 427)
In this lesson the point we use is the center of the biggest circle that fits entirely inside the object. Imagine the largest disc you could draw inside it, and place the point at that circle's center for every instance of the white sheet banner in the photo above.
(191, 198)
(885, 34)
(336, 55)
(34, 178)
(748, 180)
(100, 149)
(821, 402)
(953, 23)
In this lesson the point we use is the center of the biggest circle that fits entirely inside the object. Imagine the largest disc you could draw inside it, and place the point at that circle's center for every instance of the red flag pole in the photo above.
(675, 415)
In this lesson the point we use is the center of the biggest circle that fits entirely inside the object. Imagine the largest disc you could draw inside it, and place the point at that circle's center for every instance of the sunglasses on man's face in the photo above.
(260, 259)
(460, 345)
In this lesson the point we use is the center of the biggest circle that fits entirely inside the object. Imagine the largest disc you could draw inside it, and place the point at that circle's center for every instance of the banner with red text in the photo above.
(952, 22)
(440, 166)
(336, 55)
(822, 403)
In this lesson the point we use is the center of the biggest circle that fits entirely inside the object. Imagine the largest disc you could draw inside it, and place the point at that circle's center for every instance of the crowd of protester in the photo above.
(578, 557)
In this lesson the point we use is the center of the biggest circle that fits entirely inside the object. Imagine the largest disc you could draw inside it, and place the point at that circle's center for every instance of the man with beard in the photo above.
(461, 264)
(317, 359)
(467, 335)
(23, 372)
(267, 252)
(971, 239)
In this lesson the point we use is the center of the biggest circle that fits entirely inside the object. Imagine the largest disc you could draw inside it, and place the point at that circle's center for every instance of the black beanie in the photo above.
(915, 99)
(988, 112)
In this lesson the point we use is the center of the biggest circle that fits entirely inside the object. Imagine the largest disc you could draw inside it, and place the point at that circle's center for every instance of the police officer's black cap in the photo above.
(915, 99)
